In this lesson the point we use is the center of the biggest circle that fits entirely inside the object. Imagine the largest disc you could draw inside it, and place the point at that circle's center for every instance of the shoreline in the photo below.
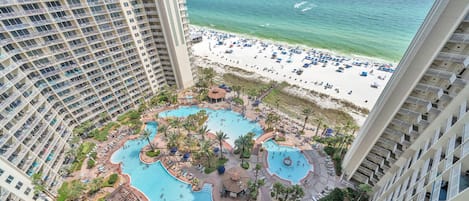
(352, 79)
(302, 46)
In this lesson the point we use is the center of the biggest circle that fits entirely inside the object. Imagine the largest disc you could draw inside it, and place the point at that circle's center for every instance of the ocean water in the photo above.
(373, 28)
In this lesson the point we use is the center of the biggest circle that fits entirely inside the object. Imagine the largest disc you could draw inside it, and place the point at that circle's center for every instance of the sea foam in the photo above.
(298, 5)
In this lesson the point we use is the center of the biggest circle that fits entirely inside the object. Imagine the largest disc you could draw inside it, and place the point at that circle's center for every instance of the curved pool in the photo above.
(232, 123)
(153, 179)
(296, 171)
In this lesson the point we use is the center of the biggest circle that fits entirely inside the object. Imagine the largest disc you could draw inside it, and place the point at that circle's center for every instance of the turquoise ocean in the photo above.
(374, 28)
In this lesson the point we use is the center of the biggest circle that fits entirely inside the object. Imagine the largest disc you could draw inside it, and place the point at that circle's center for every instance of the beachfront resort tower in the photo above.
(65, 62)
(415, 143)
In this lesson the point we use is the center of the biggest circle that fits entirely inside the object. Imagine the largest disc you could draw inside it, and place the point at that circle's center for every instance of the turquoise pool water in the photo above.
(299, 167)
(232, 123)
(153, 179)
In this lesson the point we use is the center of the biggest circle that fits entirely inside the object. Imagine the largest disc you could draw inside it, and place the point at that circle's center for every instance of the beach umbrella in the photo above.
(221, 169)
(216, 149)
(186, 156)
(174, 150)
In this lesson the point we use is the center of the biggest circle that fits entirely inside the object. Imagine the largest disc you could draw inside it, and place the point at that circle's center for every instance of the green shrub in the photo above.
(329, 150)
(238, 101)
(236, 151)
(112, 179)
(153, 153)
(90, 164)
(246, 154)
(209, 170)
(93, 155)
(245, 165)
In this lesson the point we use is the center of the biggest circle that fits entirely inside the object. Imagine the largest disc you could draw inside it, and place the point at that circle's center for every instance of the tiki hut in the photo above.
(235, 182)
(216, 94)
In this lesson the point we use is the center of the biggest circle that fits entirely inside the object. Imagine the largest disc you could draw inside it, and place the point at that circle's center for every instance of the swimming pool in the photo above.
(232, 123)
(299, 167)
(153, 179)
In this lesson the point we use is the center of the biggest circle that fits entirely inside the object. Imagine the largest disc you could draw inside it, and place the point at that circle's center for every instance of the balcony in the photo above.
(393, 135)
(438, 78)
(444, 56)
(408, 116)
(427, 92)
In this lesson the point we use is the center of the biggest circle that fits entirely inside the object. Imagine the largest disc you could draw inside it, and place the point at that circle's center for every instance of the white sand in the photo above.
(258, 60)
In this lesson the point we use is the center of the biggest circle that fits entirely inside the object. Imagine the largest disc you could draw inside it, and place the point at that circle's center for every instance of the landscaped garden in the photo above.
(187, 139)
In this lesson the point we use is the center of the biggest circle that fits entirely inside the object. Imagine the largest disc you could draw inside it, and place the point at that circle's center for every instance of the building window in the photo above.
(6, 10)
(9, 179)
(33, 6)
(19, 185)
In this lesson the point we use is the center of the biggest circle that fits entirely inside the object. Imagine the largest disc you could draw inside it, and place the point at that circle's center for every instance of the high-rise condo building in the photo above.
(63, 62)
(415, 143)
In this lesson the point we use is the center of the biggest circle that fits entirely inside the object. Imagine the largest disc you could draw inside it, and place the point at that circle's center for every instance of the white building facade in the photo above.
(65, 62)
(415, 143)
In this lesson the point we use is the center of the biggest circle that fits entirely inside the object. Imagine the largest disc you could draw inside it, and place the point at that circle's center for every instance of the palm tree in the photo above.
(347, 140)
(363, 189)
(277, 102)
(175, 123)
(95, 185)
(38, 183)
(188, 126)
(271, 118)
(257, 168)
(277, 189)
(75, 190)
(244, 143)
(203, 130)
(208, 74)
(220, 137)
(163, 129)
(320, 121)
(146, 136)
(306, 112)
(298, 192)
(206, 151)
(287, 191)
(241, 143)
(237, 89)
(252, 93)
(173, 139)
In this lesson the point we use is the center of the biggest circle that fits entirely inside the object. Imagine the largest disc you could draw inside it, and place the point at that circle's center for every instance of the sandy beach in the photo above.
(359, 80)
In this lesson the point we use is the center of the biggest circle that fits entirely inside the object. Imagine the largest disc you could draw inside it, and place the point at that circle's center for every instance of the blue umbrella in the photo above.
(216, 149)
(174, 150)
(186, 155)
(221, 169)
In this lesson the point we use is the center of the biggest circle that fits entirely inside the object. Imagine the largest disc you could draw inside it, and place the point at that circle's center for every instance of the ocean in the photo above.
(373, 28)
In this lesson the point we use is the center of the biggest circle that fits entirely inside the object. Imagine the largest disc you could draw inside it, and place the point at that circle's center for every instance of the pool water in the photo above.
(153, 179)
(232, 123)
(299, 167)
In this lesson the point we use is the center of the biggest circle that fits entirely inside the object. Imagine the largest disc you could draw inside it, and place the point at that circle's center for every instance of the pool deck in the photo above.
(315, 182)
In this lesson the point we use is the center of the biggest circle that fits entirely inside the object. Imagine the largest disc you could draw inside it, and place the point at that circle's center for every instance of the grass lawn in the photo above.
(246, 84)
(293, 106)
(101, 134)
(84, 149)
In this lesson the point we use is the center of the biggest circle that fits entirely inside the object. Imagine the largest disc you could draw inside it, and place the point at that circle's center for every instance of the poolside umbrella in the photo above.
(186, 156)
(329, 132)
(174, 150)
(221, 169)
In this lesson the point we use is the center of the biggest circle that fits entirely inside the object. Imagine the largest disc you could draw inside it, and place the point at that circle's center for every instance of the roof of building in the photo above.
(216, 93)
(235, 179)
